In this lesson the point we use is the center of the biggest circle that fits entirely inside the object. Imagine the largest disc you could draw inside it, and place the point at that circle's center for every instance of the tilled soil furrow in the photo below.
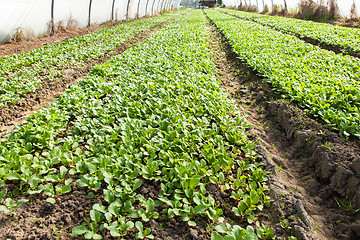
(302, 157)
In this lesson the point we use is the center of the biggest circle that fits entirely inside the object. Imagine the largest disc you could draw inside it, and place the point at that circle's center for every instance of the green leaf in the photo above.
(51, 200)
(95, 215)
(51, 178)
(228, 237)
(137, 184)
(79, 230)
(216, 236)
(13, 176)
(68, 181)
(66, 189)
(139, 226)
(251, 218)
(4, 209)
(115, 232)
(92, 235)
(221, 228)
(191, 223)
(150, 205)
(108, 196)
(199, 209)
(3, 194)
(63, 171)
(21, 202)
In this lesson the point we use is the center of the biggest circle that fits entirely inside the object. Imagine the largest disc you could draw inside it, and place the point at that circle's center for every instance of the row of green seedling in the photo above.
(24, 73)
(347, 39)
(156, 113)
(323, 83)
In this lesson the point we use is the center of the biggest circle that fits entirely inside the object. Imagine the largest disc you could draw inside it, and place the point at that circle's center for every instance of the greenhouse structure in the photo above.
(142, 119)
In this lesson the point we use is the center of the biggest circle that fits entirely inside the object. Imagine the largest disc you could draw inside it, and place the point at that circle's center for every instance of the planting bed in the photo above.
(336, 38)
(188, 132)
(293, 146)
(105, 43)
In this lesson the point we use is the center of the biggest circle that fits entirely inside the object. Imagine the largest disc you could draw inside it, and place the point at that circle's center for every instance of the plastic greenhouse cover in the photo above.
(33, 17)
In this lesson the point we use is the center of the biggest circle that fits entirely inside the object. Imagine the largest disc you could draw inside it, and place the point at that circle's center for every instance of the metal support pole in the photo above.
(89, 19)
(169, 4)
(138, 7)
(52, 18)
(159, 6)
(152, 9)
(127, 9)
(146, 7)
(163, 7)
(112, 11)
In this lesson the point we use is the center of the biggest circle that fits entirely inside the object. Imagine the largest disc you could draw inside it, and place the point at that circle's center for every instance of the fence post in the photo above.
(89, 19)
(127, 10)
(138, 7)
(52, 18)
(112, 11)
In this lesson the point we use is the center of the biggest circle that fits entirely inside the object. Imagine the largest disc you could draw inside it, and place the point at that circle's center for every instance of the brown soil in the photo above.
(43, 220)
(16, 113)
(300, 194)
(310, 167)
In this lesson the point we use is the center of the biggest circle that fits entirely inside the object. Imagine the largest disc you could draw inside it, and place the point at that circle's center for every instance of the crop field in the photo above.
(213, 124)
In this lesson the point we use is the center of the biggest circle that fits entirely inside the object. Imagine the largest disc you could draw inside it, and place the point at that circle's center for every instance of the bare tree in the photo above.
(353, 13)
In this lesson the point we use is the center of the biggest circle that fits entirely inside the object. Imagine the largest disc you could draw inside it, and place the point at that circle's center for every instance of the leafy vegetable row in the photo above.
(326, 84)
(24, 73)
(347, 39)
(154, 114)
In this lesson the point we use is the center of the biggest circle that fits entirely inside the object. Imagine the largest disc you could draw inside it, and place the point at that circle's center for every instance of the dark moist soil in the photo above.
(16, 113)
(313, 172)
(39, 219)
(335, 49)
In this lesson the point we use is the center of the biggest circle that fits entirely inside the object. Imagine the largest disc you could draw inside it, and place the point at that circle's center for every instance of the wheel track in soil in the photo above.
(17, 113)
(298, 192)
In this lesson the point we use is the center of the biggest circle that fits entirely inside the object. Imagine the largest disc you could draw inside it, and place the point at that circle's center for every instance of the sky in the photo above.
(344, 5)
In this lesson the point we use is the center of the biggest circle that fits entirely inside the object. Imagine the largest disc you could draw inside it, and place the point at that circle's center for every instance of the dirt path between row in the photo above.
(15, 114)
(301, 156)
